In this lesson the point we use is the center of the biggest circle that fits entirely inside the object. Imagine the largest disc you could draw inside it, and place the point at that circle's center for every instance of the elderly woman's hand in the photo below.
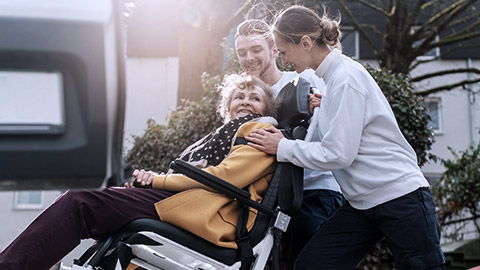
(141, 178)
(265, 140)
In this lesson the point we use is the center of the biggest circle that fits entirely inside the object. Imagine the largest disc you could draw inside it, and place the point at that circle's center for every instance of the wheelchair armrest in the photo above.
(219, 184)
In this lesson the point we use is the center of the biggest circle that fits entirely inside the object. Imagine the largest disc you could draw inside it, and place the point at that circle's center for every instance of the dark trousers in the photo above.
(409, 224)
(317, 206)
(75, 216)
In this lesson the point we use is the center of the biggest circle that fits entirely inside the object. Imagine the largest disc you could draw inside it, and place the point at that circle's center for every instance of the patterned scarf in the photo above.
(213, 148)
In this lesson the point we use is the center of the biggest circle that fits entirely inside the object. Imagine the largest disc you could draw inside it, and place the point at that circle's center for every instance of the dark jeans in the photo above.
(317, 206)
(75, 216)
(409, 224)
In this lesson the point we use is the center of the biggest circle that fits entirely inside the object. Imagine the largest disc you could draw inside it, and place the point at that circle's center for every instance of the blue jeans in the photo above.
(408, 223)
(317, 206)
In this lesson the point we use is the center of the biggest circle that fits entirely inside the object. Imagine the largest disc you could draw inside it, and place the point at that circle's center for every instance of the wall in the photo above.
(13, 221)
(456, 121)
(151, 93)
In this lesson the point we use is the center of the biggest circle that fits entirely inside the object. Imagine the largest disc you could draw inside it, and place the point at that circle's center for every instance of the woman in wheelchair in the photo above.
(173, 198)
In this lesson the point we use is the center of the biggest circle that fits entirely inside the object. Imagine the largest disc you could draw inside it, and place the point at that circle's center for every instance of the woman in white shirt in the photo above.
(361, 143)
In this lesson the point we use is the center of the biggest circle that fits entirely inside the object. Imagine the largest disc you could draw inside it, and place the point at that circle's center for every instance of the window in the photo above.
(28, 200)
(350, 42)
(432, 54)
(434, 109)
(31, 102)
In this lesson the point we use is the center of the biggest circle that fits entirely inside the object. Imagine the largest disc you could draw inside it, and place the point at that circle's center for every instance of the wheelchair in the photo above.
(153, 244)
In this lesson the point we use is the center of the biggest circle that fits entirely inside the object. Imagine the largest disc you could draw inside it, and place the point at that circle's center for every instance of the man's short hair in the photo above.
(257, 28)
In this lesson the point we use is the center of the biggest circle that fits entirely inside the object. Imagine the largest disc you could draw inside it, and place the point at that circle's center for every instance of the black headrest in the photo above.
(293, 103)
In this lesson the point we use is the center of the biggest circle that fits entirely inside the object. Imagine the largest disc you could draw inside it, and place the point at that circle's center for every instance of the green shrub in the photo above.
(160, 144)
(457, 193)
(409, 111)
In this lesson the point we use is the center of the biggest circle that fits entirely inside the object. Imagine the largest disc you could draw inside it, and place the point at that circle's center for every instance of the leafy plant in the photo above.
(379, 258)
(457, 193)
(160, 144)
(409, 110)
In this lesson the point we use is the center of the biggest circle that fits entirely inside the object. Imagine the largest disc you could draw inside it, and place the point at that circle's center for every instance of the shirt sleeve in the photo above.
(341, 142)
(242, 167)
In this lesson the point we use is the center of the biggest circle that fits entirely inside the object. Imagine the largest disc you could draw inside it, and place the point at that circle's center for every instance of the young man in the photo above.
(256, 53)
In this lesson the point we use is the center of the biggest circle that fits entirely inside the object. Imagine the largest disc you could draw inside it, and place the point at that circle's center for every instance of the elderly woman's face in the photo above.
(247, 101)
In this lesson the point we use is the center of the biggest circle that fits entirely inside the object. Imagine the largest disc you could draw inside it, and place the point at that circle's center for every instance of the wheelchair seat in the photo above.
(153, 244)
(182, 237)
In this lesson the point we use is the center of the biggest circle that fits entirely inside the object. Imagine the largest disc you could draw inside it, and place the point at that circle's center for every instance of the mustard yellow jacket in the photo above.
(206, 213)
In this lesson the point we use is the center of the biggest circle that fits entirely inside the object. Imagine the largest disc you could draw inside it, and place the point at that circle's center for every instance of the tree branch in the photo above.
(464, 20)
(377, 8)
(358, 27)
(446, 14)
(445, 72)
(373, 28)
(448, 87)
(238, 16)
(419, 6)
(417, 62)
(460, 220)
(454, 39)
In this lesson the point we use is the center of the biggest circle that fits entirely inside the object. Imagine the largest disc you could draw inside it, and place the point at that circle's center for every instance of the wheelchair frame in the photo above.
(150, 245)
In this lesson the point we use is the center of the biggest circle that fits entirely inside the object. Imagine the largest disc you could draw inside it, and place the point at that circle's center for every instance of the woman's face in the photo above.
(247, 101)
(291, 53)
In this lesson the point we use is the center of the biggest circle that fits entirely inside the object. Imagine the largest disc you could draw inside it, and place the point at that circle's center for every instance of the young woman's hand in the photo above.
(265, 140)
(314, 100)
(141, 178)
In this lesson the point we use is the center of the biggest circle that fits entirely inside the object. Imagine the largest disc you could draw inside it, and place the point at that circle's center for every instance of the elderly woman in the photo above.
(172, 198)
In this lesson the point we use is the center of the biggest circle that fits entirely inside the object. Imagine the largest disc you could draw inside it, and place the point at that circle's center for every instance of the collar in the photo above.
(323, 67)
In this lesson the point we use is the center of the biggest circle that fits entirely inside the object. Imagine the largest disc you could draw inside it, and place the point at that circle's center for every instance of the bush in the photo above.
(379, 258)
(457, 193)
(161, 144)
(409, 111)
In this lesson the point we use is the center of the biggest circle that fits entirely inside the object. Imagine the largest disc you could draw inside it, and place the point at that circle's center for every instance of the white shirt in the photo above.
(308, 74)
(360, 139)
(312, 179)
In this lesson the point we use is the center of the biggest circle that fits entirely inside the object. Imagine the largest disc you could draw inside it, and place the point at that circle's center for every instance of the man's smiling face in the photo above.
(254, 54)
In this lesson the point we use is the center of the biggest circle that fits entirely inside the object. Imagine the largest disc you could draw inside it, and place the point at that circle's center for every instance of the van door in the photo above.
(62, 94)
